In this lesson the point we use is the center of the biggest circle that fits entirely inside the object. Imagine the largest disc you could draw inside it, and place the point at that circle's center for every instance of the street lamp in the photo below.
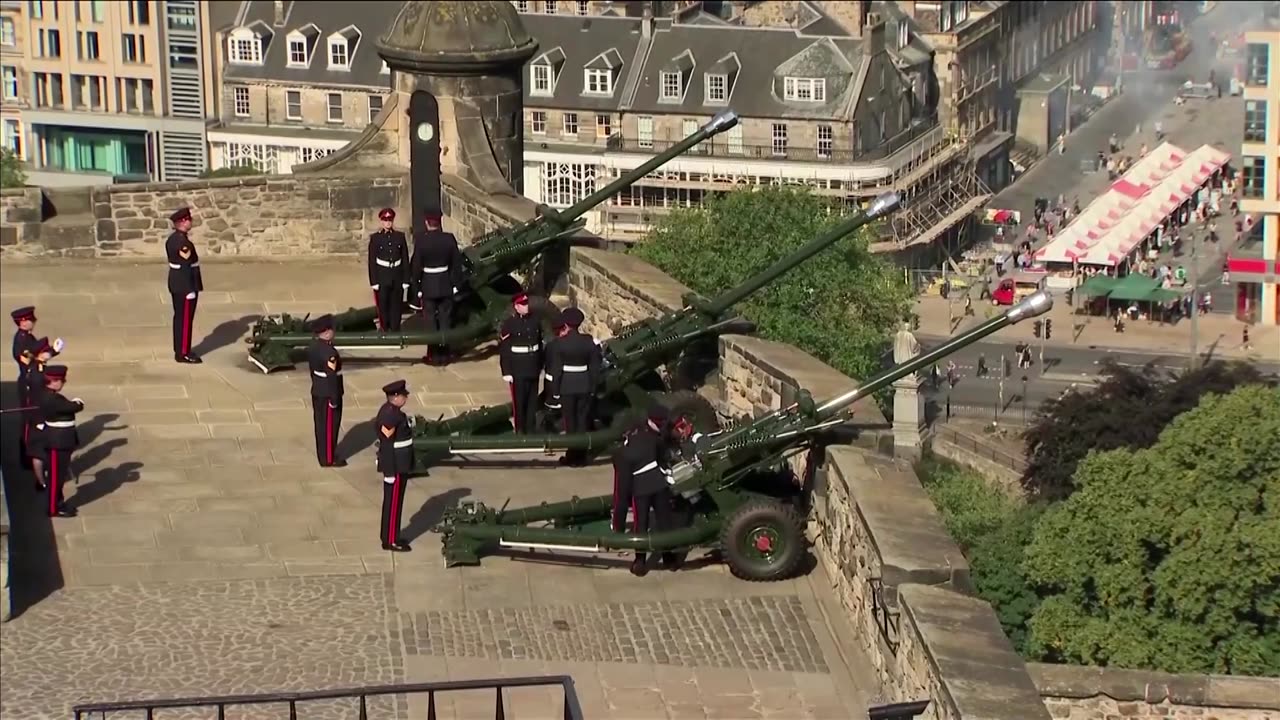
(1024, 399)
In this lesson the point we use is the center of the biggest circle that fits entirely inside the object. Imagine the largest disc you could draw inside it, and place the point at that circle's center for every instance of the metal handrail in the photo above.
(572, 709)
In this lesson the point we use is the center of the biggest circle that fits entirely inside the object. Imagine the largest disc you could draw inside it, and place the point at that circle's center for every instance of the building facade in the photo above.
(13, 95)
(1255, 264)
(140, 63)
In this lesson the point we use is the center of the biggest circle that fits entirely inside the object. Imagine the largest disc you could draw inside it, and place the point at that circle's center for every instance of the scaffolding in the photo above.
(936, 197)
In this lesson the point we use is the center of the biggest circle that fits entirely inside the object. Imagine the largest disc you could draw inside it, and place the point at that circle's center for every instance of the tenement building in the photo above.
(98, 92)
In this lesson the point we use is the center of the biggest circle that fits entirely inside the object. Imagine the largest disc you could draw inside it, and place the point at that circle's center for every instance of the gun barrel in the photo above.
(718, 124)
(880, 207)
(1034, 305)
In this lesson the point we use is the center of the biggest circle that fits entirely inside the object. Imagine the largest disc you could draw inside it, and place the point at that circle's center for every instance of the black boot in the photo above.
(640, 566)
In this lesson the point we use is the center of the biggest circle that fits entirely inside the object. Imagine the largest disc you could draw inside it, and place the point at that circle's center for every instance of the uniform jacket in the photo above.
(24, 348)
(184, 265)
(436, 268)
(574, 364)
(644, 456)
(31, 385)
(388, 258)
(59, 417)
(326, 370)
(520, 347)
(395, 441)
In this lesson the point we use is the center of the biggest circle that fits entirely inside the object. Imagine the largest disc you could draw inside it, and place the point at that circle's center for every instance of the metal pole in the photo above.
(1195, 300)
(1024, 399)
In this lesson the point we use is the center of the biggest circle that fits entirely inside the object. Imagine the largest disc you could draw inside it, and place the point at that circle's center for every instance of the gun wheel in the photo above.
(763, 541)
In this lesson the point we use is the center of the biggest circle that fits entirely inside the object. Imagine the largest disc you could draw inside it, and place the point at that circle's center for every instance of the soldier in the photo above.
(550, 401)
(24, 339)
(185, 285)
(31, 385)
(435, 271)
(643, 459)
(388, 271)
(395, 460)
(623, 471)
(326, 391)
(520, 357)
(575, 371)
(59, 436)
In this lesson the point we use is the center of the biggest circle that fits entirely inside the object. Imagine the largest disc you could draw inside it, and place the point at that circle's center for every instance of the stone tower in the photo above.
(457, 77)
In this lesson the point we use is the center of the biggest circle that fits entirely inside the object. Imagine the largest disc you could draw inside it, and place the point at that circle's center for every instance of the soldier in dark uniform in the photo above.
(31, 386)
(185, 285)
(395, 460)
(326, 391)
(575, 368)
(25, 346)
(60, 438)
(388, 270)
(550, 401)
(641, 471)
(435, 272)
(520, 357)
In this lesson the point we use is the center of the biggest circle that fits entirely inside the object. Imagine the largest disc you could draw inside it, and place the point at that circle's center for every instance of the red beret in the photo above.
(520, 299)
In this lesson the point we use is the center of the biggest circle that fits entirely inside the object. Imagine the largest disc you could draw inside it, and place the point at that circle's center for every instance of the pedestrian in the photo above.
(1245, 344)
(644, 459)
(185, 284)
(388, 271)
(1062, 143)
(968, 305)
(1113, 144)
(982, 365)
(326, 391)
(575, 372)
(59, 437)
(436, 271)
(520, 356)
(395, 461)
(1159, 130)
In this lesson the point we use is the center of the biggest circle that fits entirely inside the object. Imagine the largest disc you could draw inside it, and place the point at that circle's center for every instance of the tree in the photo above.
(231, 171)
(1168, 557)
(11, 173)
(1129, 408)
(841, 307)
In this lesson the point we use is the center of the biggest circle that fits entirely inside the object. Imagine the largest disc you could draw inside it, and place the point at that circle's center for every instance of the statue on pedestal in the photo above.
(905, 345)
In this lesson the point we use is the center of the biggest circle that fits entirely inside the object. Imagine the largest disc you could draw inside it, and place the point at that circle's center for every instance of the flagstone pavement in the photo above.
(212, 556)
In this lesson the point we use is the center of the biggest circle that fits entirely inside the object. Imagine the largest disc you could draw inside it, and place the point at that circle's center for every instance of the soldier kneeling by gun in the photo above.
(642, 484)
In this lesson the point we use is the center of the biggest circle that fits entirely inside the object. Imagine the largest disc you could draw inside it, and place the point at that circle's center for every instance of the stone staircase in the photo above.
(69, 224)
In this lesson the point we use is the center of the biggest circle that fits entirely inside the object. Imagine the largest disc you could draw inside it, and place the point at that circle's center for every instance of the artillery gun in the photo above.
(631, 359)
(483, 298)
(728, 491)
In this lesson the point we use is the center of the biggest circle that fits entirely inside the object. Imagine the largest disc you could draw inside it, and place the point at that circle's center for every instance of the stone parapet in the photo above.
(1085, 693)
(21, 212)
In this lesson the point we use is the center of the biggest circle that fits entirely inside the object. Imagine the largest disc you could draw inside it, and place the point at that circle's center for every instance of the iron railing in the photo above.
(981, 448)
(148, 708)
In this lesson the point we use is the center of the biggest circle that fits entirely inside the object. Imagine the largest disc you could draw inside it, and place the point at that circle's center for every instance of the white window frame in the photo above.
(374, 97)
(778, 139)
(538, 119)
(8, 32)
(12, 131)
(244, 47)
(329, 108)
(807, 90)
(733, 141)
(240, 101)
(11, 82)
(584, 7)
(540, 75)
(723, 95)
(522, 5)
(289, 104)
(904, 34)
(597, 82)
(385, 69)
(688, 127)
(549, 7)
(569, 124)
(604, 125)
(670, 86)
(298, 47)
(644, 131)
(826, 143)
(339, 53)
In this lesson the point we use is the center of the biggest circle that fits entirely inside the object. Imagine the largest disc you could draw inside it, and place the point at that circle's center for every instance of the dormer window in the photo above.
(904, 34)
(812, 90)
(674, 77)
(672, 88)
(342, 48)
(598, 82)
(544, 71)
(717, 88)
(244, 46)
(720, 78)
(302, 42)
(601, 74)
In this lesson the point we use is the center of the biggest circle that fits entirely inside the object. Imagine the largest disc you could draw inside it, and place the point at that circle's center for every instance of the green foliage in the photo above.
(1128, 409)
(841, 307)
(1168, 557)
(11, 173)
(231, 171)
(971, 509)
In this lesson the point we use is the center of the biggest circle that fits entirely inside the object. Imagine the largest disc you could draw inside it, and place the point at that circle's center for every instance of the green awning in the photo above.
(1134, 287)
(1097, 286)
(1161, 295)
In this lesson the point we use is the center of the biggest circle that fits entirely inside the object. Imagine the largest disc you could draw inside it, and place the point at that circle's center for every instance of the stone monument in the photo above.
(908, 401)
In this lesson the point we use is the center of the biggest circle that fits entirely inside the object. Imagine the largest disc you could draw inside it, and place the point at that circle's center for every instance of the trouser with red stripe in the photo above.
(653, 514)
(392, 507)
(623, 499)
(524, 404)
(388, 298)
(576, 412)
(59, 470)
(184, 320)
(327, 417)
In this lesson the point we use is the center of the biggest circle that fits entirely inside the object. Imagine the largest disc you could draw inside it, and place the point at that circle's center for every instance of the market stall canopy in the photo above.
(1097, 286)
(1133, 286)
(1163, 295)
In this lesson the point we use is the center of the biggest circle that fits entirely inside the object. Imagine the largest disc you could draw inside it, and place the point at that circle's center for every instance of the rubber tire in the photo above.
(691, 405)
(754, 513)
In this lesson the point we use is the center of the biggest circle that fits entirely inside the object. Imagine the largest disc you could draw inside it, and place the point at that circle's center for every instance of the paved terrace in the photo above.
(212, 556)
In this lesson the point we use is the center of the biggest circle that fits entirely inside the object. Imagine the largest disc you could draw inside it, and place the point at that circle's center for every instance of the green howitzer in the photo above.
(735, 491)
(483, 298)
(631, 361)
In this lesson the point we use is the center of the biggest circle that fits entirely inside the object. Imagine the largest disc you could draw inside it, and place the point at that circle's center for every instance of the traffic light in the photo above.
(1048, 329)
(1037, 328)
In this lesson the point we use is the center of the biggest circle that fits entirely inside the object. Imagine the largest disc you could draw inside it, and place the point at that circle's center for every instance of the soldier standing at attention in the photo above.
(520, 357)
(326, 391)
(60, 439)
(31, 385)
(25, 349)
(549, 400)
(185, 284)
(575, 371)
(435, 272)
(644, 459)
(395, 460)
(388, 271)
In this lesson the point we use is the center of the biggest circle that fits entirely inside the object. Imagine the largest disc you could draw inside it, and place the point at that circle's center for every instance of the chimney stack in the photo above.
(873, 35)
(646, 22)
(279, 13)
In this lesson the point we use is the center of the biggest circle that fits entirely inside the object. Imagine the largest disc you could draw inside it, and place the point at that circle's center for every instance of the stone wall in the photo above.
(1081, 693)
(21, 212)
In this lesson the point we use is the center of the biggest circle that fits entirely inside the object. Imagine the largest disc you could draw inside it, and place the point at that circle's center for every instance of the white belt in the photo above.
(319, 374)
(525, 349)
(388, 263)
(60, 423)
(651, 466)
(176, 266)
(388, 479)
(39, 426)
(435, 270)
(574, 368)
(402, 443)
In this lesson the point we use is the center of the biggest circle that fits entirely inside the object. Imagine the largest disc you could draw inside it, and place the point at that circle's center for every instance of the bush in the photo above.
(231, 171)
(12, 175)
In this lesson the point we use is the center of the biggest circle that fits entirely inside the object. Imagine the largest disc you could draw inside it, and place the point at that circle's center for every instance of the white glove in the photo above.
(455, 291)
(191, 296)
(373, 287)
(332, 405)
(415, 307)
(406, 286)
(77, 400)
(507, 378)
(413, 421)
(58, 345)
(419, 293)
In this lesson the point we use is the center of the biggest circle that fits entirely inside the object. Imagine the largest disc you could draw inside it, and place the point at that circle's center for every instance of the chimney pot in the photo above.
(279, 13)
